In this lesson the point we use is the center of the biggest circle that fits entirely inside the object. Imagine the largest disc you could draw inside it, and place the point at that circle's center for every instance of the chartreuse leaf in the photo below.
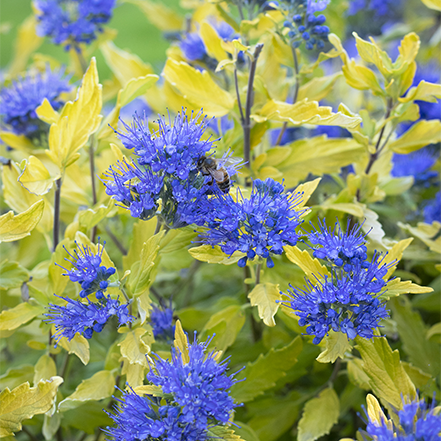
(387, 377)
(306, 189)
(78, 345)
(266, 297)
(45, 369)
(395, 254)
(12, 275)
(433, 4)
(209, 254)
(310, 266)
(426, 233)
(181, 342)
(16, 376)
(149, 389)
(396, 287)
(263, 373)
(159, 15)
(78, 120)
(212, 42)
(336, 345)
(140, 277)
(99, 386)
(133, 348)
(224, 433)
(317, 88)
(19, 315)
(422, 352)
(231, 319)
(419, 135)
(245, 431)
(319, 415)
(306, 112)
(422, 380)
(91, 217)
(58, 281)
(198, 88)
(423, 92)
(134, 373)
(35, 177)
(19, 142)
(24, 402)
(374, 410)
(15, 227)
(356, 374)
(47, 113)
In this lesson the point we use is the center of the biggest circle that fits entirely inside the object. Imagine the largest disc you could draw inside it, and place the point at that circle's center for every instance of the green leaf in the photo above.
(87, 417)
(15, 227)
(45, 369)
(99, 386)
(133, 347)
(426, 233)
(357, 375)
(12, 275)
(387, 377)
(24, 402)
(78, 345)
(209, 254)
(319, 415)
(92, 216)
(224, 433)
(198, 88)
(422, 352)
(266, 296)
(317, 88)
(419, 135)
(232, 320)
(261, 374)
(159, 15)
(16, 376)
(245, 431)
(19, 315)
(140, 277)
(336, 345)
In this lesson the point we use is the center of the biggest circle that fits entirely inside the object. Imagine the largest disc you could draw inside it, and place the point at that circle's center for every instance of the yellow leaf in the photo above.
(19, 142)
(78, 345)
(429, 234)
(144, 306)
(24, 402)
(266, 297)
(181, 342)
(47, 113)
(27, 42)
(78, 120)
(423, 92)
(134, 373)
(212, 42)
(336, 345)
(310, 266)
(99, 386)
(124, 65)
(317, 88)
(45, 369)
(16, 227)
(133, 348)
(375, 412)
(198, 88)
(396, 287)
(159, 15)
(419, 135)
(433, 4)
(207, 253)
(35, 177)
(156, 391)
(19, 315)
(306, 189)
(395, 253)
(307, 112)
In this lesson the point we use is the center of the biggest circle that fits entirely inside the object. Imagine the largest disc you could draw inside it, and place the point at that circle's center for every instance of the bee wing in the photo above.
(218, 175)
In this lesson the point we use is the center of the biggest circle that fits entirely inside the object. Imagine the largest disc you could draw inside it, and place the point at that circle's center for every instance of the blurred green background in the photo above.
(135, 33)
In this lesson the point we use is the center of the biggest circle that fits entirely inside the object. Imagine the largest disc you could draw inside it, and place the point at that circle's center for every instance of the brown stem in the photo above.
(258, 268)
(57, 201)
(65, 365)
(296, 91)
(246, 125)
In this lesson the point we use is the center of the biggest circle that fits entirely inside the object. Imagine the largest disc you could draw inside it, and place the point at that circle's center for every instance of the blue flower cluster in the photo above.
(259, 225)
(379, 7)
(87, 318)
(162, 322)
(74, 21)
(305, 26)
(432, 210)
(196, 398)
(166, 168)
(88, 271)
(347, 301)
(417, 422)
(21, 98)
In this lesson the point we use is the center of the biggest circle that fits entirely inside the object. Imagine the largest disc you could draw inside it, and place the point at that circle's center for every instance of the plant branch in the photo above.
(258, 268)
(239, 102)
(116, 241)
(65, 365)
(92, 177)
(57, 201)
(158, 225)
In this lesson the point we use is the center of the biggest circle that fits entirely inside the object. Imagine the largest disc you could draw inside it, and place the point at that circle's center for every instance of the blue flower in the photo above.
(379, 7)
(432, 210)
(200, 387)
(85, 318)
(340, 248)
(317, 5)
(260, 225)
(193, 47)
(417, 421)
(21, 98)
(416, 164)
(88, 271)
(162, 322)
(72, 22)
(331, 132)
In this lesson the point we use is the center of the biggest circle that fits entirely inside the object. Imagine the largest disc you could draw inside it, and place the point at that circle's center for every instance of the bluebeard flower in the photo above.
(260, 225)
(21, 98)
(221, 125)
(331, 132)
(345, 303)
(74, 21)
(199, 387)
(166, 167)
(85, 318)
(340, 248)
(193, 47)
(162, 322)
(317, 5)
(416, 164)
(379, 7)
(417, 421)
(88, 271)
(432, 210)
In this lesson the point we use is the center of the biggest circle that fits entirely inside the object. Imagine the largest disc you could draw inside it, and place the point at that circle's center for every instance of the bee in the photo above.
(216, 169)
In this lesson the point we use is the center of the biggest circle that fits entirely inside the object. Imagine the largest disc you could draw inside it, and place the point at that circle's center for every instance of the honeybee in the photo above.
(216, 169)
